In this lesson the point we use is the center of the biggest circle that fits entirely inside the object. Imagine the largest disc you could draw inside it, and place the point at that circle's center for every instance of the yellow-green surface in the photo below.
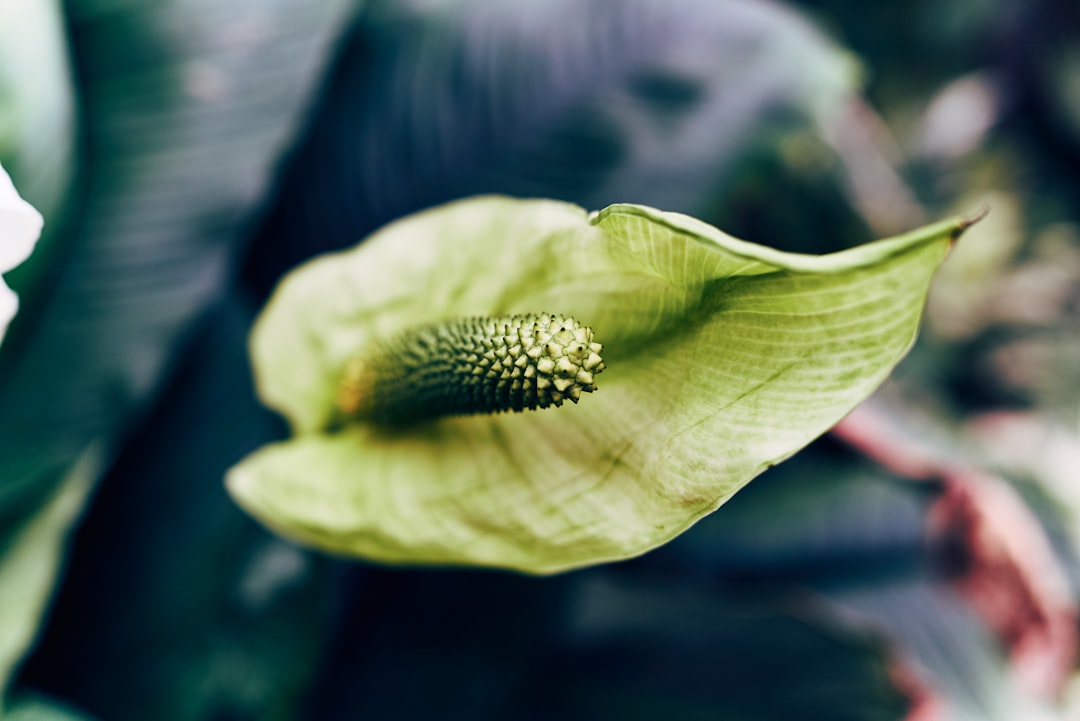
(723, 358)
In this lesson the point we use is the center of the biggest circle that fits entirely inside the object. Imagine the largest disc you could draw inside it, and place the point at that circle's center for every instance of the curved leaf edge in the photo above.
(844, 261)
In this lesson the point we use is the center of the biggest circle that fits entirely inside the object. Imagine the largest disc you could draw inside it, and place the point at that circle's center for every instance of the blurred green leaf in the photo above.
(723, 359)
(586, 101)
(171, 587)
(30, 556)
(622, 642)
(187, 107)
(642, 650)
(38, 709)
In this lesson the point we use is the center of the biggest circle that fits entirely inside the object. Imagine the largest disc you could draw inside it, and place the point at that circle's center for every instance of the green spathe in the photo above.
(723, 358)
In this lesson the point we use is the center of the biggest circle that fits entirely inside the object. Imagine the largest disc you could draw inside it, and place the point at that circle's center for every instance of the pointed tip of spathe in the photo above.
(969, 220)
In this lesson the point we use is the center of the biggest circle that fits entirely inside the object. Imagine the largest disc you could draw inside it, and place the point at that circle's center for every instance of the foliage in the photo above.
(186, 155)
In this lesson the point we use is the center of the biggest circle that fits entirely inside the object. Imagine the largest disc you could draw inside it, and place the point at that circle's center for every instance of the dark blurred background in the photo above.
(917, 563)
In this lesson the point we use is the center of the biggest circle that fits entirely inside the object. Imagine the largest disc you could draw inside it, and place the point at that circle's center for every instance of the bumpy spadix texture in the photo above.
(468, 366)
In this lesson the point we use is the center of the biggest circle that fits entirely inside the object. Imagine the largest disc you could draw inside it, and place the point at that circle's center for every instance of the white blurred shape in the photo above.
(20, 227)
(275, 568)
(959, 116)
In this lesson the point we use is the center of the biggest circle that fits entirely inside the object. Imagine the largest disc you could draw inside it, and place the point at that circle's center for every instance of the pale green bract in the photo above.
(723, 358)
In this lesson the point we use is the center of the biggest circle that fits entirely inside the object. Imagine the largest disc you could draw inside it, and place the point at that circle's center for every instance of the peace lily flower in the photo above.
(20, 226)
(720, 358)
